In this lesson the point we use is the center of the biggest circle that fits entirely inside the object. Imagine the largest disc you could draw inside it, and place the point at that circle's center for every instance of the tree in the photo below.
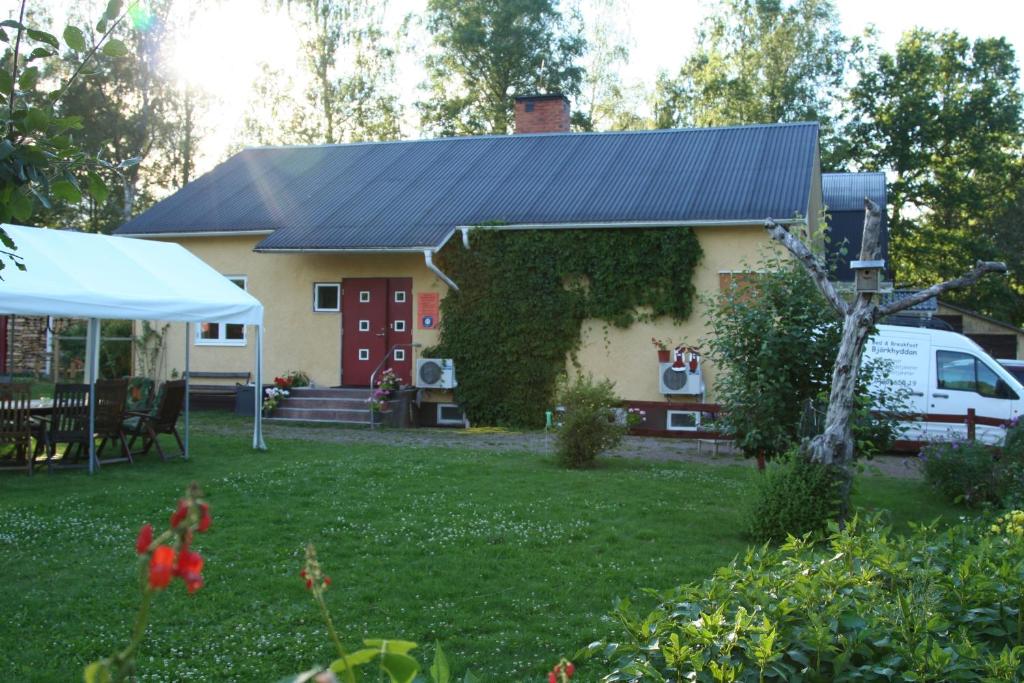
(488, 50)
(774, 337)
(758, 61)
(38, 158)
(943, 115)
(835, 445)
(345, 101)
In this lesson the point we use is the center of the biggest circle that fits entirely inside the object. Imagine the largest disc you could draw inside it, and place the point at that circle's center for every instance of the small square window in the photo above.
(400, 297)
(450, 414)
(364, 325)
(399, 326)
(399, 355)
(364, 296)
(682, 421)
(364, 354)
(326, 297)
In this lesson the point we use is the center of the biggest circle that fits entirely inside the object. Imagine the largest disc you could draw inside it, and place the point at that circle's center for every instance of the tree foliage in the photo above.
(943, 115)
(774, 347)
(758, 61)
(489, 50)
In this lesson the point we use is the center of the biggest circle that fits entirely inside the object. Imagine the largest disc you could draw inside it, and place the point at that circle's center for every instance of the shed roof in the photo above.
(413, 194)
(846, 191)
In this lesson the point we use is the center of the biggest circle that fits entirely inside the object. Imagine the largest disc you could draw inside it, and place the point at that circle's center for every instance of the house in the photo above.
(339, 241)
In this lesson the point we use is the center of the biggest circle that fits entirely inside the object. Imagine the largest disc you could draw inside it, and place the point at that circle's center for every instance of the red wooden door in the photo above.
(400, 326)
(364, 328)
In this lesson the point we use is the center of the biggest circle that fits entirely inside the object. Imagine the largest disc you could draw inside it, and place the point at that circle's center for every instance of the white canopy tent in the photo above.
(98, 277)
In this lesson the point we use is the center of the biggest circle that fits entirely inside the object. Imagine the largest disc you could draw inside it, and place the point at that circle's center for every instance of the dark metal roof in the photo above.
(846, 191)
(843, 194)
(926, 306)
(412, 194)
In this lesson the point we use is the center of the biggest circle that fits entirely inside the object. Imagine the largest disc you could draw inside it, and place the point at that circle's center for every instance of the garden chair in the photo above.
(68, 423)
(163, 419)
(111, 396)
(15, 428)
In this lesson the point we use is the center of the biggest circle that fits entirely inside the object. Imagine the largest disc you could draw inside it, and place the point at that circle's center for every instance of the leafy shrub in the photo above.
(588, 426)
(297, 378)
(870, 606)
(795, 497)
(966, 471)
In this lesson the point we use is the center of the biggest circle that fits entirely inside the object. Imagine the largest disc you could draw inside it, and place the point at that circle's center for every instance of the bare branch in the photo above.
(814, 267)
(870, 237)
(965, 280)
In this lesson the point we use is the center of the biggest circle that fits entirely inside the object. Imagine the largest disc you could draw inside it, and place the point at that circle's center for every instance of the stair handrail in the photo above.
(373, 375)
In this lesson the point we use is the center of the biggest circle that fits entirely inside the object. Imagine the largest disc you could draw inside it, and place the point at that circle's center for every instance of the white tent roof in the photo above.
(80, 275)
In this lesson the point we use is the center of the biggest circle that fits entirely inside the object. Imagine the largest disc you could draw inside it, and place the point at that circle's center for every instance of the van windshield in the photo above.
(964, 372)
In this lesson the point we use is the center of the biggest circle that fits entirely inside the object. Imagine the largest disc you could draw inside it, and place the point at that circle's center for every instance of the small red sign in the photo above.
(428, 306)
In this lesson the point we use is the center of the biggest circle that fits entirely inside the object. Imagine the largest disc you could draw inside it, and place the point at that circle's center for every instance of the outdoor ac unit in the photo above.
(680, 381)
(435, 373)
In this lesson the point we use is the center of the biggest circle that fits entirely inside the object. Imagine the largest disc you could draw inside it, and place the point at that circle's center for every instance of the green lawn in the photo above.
(506, 559)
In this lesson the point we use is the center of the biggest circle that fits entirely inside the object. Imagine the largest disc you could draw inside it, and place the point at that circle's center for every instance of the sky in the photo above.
(228, 39)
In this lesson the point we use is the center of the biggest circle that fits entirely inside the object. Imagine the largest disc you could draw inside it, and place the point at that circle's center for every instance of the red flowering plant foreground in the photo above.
(377, 659)
(161, 560)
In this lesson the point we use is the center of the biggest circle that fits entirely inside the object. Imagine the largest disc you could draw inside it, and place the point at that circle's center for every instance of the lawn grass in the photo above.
(506, 559)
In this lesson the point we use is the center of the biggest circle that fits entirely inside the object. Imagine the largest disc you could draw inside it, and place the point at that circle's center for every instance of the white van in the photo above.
(946, 373)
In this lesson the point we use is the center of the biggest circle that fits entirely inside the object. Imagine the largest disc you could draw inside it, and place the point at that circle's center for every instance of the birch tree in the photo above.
(835, 445)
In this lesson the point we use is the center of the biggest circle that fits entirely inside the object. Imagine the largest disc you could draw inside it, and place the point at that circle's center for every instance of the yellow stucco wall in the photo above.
(297, 338)
(628, 358)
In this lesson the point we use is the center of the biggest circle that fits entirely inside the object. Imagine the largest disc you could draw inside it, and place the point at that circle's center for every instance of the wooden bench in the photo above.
(210, 395)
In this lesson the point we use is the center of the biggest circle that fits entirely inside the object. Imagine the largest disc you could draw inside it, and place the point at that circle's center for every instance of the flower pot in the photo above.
(664, 355)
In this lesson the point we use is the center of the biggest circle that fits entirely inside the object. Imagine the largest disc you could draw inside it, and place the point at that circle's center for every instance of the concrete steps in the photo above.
(348, 406)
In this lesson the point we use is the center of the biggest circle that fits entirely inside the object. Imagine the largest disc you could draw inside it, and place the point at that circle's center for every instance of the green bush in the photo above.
(868, 606)
(971, 472)
(588, 426)
(794, 497)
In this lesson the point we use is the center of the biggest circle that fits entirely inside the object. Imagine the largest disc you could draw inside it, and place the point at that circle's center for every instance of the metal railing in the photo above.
(380, 365)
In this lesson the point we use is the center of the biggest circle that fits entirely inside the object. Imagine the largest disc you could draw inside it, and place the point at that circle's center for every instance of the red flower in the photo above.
(190, 567)
(179, 514)
(144, 539)
(309, 583)
(552, 677)
(161, 566)
(204, 518)
(569, 669)
(327, 581)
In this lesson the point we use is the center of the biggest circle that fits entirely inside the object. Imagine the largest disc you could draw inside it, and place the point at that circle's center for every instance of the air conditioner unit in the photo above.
(682, 381)
(435, 373)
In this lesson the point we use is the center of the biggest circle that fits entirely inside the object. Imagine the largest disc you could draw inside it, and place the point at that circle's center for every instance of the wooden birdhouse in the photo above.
(868, 275)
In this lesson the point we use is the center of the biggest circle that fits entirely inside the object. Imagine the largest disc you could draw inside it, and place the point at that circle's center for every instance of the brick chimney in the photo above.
(542, 114)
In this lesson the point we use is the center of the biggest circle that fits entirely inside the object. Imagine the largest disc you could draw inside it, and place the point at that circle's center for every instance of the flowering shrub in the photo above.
(296, 379)
(272, 396)
(973, 473)
(1010, 526)
(387, 383)
(869, 606)
(562, 672)
(161, 560)
(635, 417)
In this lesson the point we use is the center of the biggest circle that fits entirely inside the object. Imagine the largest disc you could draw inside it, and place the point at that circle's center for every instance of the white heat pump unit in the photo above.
(681, 381)
(435, 373)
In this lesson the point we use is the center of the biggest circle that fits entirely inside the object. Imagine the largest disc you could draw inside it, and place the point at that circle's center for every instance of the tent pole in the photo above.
(92, 364)
(188, 331)
(257, 429)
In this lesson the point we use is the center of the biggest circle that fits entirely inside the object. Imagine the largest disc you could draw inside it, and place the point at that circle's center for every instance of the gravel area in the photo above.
(650, 448)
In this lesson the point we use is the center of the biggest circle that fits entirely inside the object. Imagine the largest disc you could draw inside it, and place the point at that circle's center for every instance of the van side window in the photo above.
(955, 371)
(963, 372)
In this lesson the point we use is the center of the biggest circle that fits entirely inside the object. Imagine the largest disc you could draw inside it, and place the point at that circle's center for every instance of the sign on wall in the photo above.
(428, 306)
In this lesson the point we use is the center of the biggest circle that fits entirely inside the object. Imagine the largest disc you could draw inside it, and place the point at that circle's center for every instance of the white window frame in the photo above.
(441, 421)
(400, 326)
(671, 428)
(222, 327)
(364, 296)
(364, 354)
(403, 299)
(364, 325)
(316, 296)
(399, 355)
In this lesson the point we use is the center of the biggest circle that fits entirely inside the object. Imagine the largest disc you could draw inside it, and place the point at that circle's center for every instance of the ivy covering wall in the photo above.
(524, 295)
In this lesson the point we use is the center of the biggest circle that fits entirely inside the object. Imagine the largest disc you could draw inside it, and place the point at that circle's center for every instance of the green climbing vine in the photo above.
(524, 295)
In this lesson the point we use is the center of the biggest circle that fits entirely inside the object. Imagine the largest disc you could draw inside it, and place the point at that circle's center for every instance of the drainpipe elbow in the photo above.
(428, 258)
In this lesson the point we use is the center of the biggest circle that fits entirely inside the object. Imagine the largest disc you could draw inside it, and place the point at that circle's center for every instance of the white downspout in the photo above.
(428, 256)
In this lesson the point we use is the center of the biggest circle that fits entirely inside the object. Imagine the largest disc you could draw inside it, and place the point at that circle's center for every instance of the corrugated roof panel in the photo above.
(846, 191)
(411, 194)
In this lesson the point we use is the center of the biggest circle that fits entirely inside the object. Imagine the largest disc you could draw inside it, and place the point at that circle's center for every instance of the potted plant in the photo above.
(664, 349)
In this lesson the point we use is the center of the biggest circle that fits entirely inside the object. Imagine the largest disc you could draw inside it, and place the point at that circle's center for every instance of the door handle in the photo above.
(940, 395)
(917, 393)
